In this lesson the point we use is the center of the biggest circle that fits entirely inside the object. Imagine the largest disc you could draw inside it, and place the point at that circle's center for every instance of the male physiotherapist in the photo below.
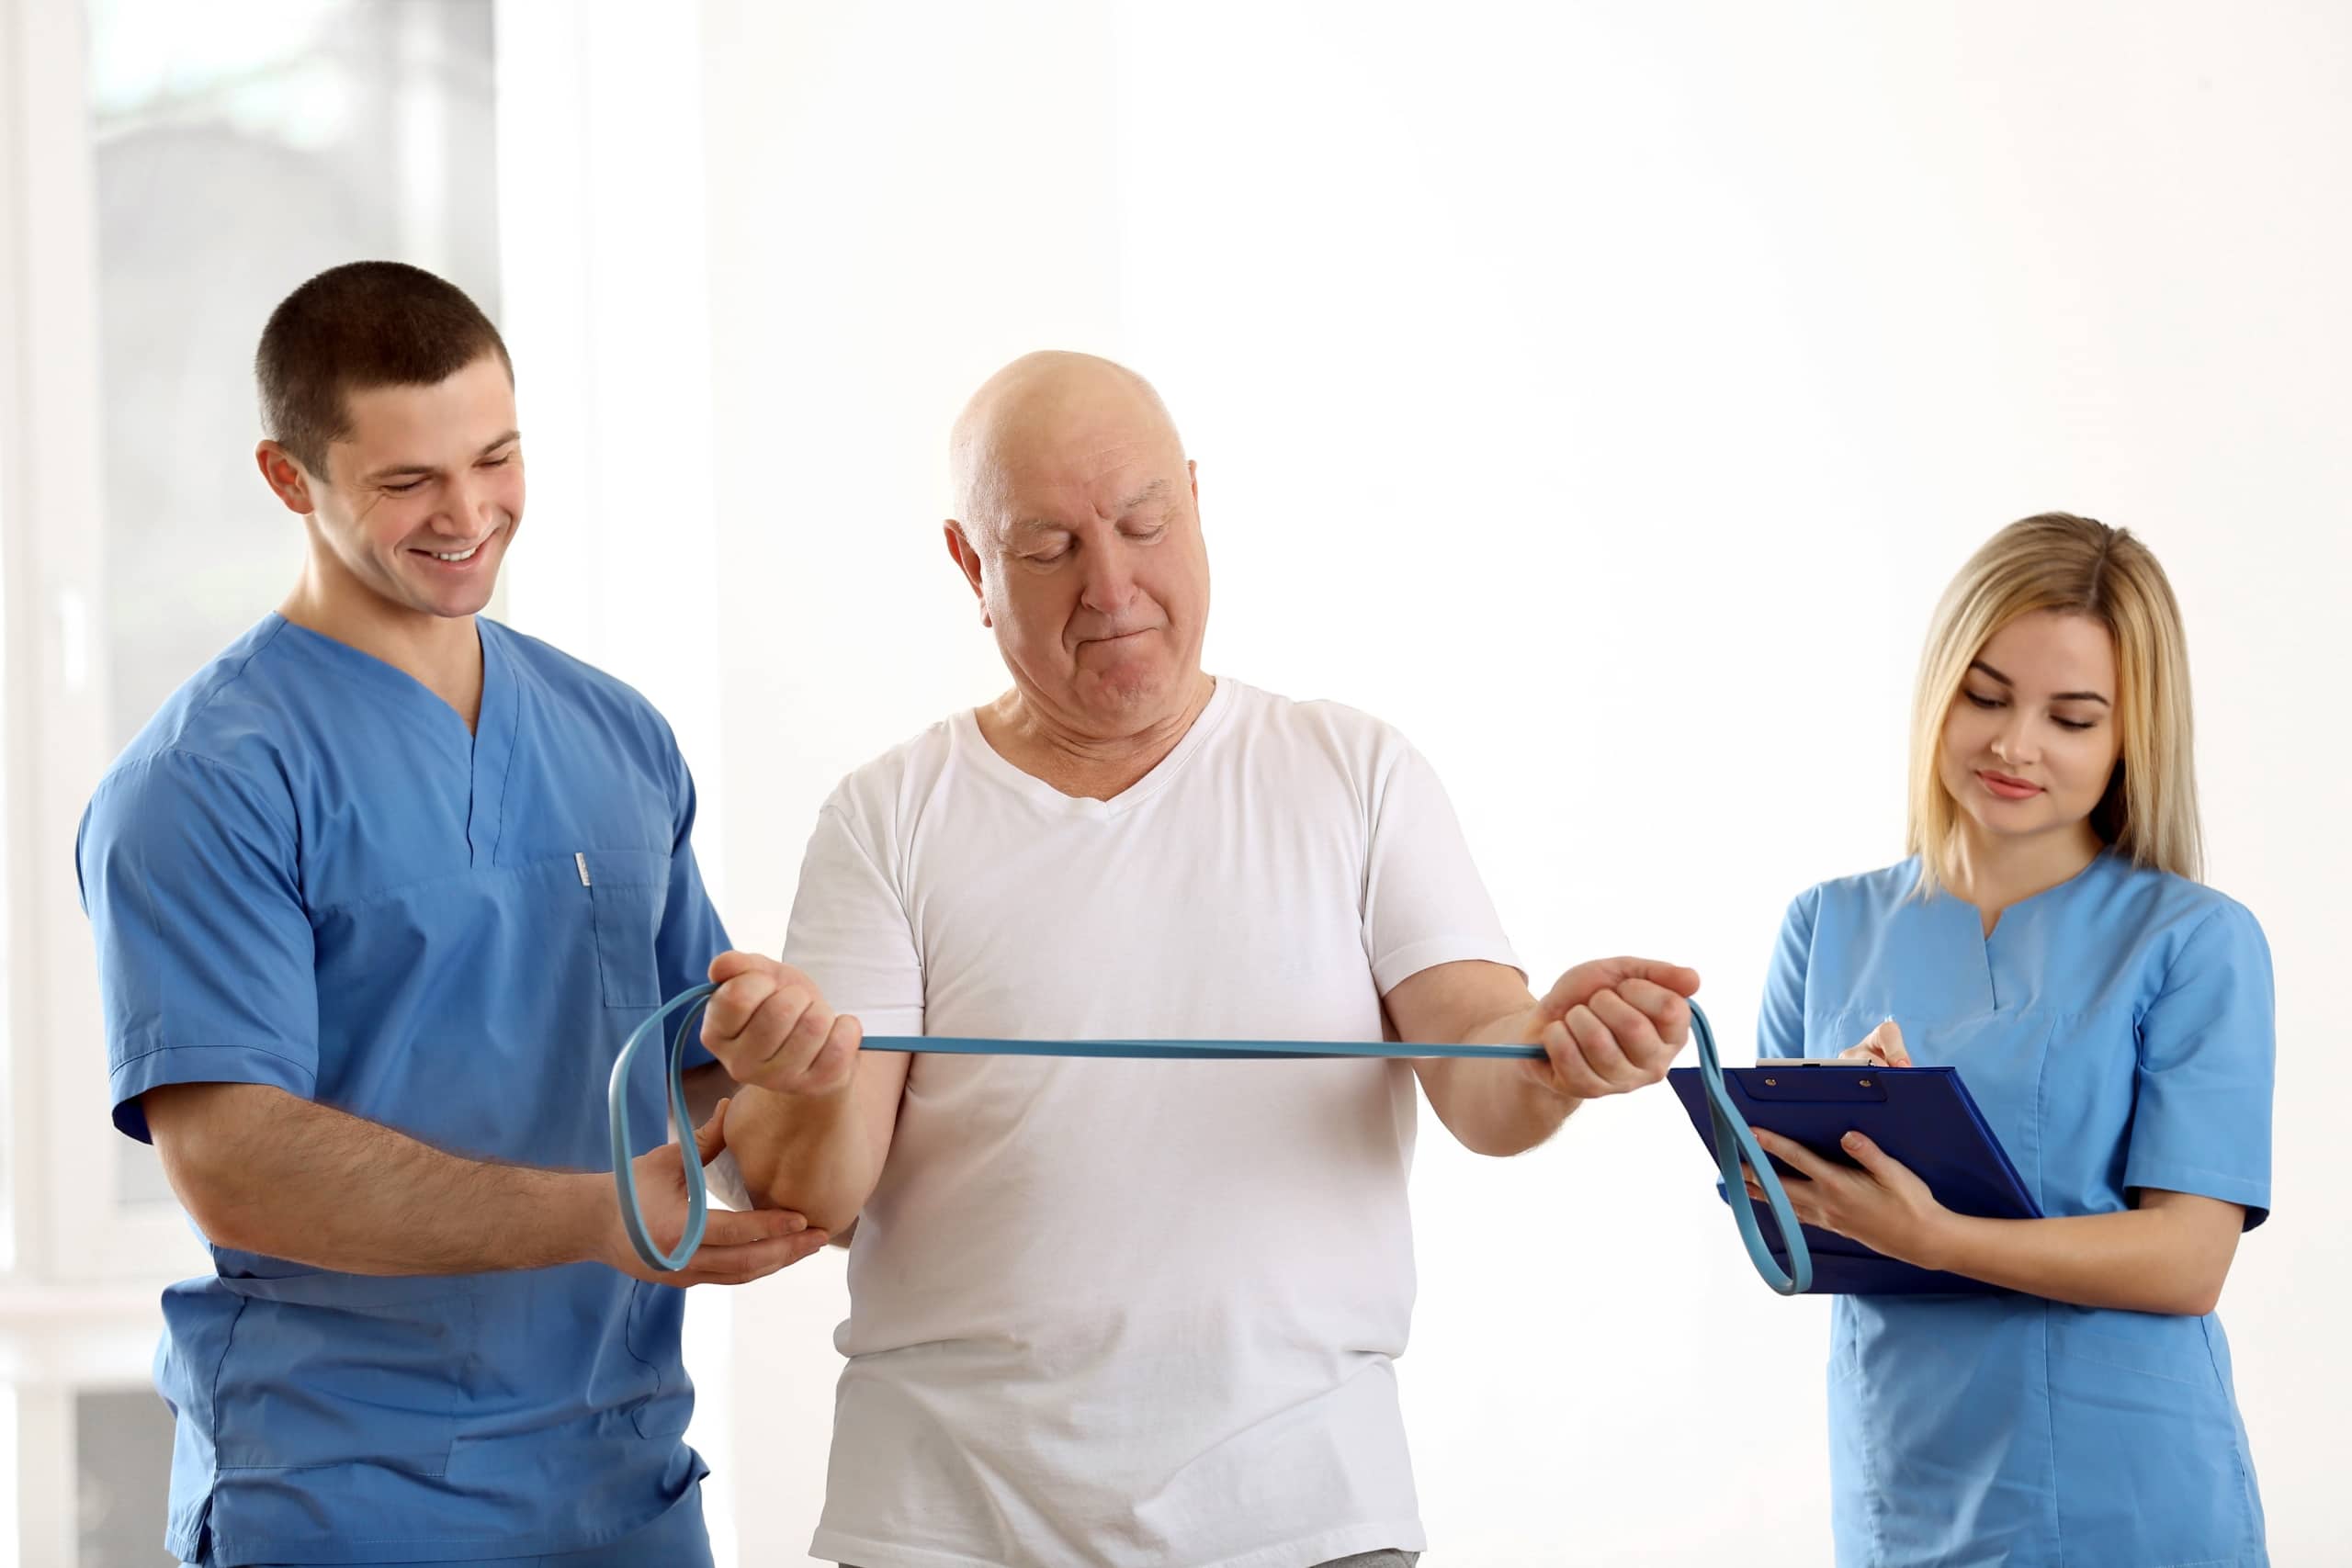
(378, 895)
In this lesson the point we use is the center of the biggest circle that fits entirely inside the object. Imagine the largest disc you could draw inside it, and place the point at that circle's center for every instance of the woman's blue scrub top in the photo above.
(305, 873)
(2117, 1032)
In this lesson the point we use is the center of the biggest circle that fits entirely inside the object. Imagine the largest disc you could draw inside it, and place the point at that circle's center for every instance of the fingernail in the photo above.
(1852, 1140)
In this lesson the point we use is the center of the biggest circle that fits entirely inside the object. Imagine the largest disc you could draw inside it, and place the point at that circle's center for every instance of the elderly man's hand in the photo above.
(1610, 1026)
(768, 1026)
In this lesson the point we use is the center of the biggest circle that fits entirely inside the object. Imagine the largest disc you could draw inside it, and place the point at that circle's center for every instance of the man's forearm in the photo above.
(812, 1154)
(1493, 1107)
(265, 1171)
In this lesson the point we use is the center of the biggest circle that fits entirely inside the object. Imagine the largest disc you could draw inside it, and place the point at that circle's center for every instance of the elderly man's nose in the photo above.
(1109, 581)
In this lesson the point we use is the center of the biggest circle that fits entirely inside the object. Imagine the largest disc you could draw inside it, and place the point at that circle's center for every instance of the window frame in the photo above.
(81, 1274)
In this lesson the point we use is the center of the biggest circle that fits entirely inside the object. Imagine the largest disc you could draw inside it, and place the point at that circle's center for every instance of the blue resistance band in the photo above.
(1734, 1141)
(1732, 1135)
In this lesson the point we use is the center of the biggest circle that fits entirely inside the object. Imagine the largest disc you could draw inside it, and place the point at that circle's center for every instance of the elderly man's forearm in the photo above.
(808, 1153)
(1494, 1107)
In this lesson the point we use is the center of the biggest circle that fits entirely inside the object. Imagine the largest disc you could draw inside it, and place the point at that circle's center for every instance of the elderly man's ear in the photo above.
(967, 560)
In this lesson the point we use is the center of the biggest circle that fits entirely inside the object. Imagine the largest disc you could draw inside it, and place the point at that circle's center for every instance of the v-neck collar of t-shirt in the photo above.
(965, 729)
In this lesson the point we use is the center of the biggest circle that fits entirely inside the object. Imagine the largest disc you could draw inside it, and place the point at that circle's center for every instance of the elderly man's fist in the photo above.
(1610, 1027)
(768, 1026)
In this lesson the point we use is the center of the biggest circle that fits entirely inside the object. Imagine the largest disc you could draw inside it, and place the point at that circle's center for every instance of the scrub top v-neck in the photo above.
(2117, 1031)
(307, 872)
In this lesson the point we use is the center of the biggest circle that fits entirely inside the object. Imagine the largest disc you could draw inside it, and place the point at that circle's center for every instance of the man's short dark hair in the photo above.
(361, 325)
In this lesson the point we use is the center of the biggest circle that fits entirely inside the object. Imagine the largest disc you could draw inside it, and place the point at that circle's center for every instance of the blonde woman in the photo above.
(2112, 1018)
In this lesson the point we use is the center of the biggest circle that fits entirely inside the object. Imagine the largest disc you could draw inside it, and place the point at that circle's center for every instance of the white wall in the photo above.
(1602, 394)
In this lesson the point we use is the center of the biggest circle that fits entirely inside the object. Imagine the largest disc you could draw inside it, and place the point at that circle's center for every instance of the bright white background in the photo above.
(1602, 393)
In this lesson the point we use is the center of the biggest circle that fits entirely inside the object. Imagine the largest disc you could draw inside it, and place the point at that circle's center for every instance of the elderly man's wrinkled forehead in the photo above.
(1051, 425)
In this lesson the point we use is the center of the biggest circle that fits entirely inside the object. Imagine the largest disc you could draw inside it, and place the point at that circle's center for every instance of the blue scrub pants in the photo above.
(677, 1540)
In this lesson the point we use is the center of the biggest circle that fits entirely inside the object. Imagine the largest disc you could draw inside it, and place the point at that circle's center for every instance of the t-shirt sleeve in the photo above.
(206, 964)
(691, 933)
(1424, 903)
(850, 931)
(1779, 1022)
(2200, 1122)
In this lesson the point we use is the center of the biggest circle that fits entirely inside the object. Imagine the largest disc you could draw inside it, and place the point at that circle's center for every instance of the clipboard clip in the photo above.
(1778, 1086)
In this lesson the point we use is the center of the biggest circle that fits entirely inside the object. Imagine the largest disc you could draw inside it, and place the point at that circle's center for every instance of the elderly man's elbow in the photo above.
(833, 1210)
(822, 1163)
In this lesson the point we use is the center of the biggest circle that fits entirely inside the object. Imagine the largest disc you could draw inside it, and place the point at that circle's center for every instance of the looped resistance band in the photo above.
(687, 1004)
(1732, 1135)
(1733, 1139)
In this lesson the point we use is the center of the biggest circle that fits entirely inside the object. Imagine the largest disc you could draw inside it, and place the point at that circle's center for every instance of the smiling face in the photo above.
(1083, 541)
(2030, 741)
(420, 497)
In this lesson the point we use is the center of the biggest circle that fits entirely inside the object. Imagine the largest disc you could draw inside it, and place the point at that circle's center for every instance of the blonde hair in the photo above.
(2075, 566)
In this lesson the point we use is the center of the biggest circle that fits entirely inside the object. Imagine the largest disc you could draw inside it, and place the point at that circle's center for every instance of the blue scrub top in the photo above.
(2117, 1032)
(305, 873)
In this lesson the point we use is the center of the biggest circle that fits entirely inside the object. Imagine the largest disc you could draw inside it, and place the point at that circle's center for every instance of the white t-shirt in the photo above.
(1126, 1313)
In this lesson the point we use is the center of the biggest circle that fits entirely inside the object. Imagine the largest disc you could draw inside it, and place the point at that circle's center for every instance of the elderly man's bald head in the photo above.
(1080, 534)
(1051, 408)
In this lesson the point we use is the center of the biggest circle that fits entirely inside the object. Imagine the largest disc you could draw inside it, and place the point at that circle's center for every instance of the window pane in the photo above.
(122, 1477)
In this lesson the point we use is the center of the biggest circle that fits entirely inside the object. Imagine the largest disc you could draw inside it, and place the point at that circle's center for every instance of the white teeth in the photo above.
(463, 555)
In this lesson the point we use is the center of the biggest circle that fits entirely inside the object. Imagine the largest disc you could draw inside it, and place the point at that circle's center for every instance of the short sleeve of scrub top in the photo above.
(188, 875)
(2201, 1121)
(1779, 1023)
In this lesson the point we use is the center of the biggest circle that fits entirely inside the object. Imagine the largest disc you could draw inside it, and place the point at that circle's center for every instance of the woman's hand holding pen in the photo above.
(1878, 1201)
(1884, 1046)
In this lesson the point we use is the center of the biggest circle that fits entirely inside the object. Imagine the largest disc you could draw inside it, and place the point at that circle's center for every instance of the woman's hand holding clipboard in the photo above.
(1874, 1155)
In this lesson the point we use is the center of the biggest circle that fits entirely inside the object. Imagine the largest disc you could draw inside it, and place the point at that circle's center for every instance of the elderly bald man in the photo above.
(1135, 1313)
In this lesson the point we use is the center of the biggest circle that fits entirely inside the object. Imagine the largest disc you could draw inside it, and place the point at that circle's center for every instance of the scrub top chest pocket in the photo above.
(626, 890)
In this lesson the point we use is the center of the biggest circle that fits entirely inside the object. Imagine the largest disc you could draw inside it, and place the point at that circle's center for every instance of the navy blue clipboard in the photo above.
(1922, 1116)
